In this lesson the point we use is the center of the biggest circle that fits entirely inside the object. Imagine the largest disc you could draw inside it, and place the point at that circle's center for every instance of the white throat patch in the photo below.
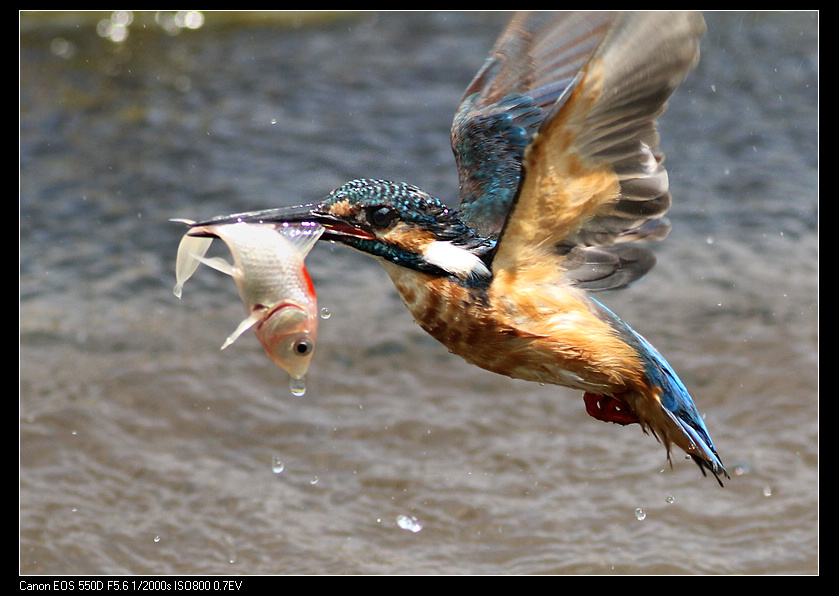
(457, 261)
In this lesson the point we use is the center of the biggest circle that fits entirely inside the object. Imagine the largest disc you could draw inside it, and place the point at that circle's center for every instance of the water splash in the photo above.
(298, 387)
(408, 522)
(742, 469)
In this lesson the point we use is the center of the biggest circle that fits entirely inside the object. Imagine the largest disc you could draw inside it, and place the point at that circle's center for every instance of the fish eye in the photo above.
(302, 347)
(381, 217)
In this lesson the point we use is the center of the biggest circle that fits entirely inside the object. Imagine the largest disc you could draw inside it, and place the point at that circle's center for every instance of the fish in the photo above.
(275, 287)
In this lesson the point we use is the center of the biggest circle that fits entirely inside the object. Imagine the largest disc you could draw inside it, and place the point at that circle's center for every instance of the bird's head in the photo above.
(392, 221)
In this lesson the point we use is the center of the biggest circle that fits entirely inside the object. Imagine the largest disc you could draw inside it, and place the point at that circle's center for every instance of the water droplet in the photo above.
(314, 480)
(277, 465)
(324, 313)
(640, 514)
(767, 491)
(409, 523)
(298, 387)
(157, 538)
(742, 469)
(670, 499)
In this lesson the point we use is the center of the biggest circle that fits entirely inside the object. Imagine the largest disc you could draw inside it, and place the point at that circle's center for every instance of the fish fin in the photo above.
(243, 326)
(190, 252)
(216, 263)
(303, 238)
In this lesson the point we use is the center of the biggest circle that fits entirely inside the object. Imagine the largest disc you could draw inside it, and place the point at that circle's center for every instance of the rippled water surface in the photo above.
(144, 449)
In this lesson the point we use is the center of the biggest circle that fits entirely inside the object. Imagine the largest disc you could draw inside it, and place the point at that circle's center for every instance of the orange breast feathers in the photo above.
(524, 328)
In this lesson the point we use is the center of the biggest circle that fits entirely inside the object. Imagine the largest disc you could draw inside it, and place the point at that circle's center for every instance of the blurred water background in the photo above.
(146, 450)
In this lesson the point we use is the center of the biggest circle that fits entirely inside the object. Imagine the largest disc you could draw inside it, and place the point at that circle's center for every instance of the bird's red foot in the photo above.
(609, 409)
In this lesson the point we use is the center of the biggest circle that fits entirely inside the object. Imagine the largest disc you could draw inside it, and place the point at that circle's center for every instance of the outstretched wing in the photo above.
(532, 64)
(592, 177)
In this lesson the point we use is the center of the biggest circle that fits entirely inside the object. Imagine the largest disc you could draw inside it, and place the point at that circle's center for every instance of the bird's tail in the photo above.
(668, 412)
(678, 421)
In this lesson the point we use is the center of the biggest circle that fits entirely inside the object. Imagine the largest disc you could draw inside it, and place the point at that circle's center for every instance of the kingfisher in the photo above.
(562, 185)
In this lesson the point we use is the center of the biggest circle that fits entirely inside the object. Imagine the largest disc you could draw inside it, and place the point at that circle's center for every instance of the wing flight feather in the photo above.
(556, 139)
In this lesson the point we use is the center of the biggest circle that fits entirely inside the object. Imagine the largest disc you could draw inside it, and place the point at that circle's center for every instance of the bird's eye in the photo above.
(302, 347)
(381, 217)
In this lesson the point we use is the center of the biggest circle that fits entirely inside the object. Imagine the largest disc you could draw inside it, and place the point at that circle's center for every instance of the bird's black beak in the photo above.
(337, 229)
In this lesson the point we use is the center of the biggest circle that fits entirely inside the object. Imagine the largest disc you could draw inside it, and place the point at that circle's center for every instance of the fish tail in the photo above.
(190, 250)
